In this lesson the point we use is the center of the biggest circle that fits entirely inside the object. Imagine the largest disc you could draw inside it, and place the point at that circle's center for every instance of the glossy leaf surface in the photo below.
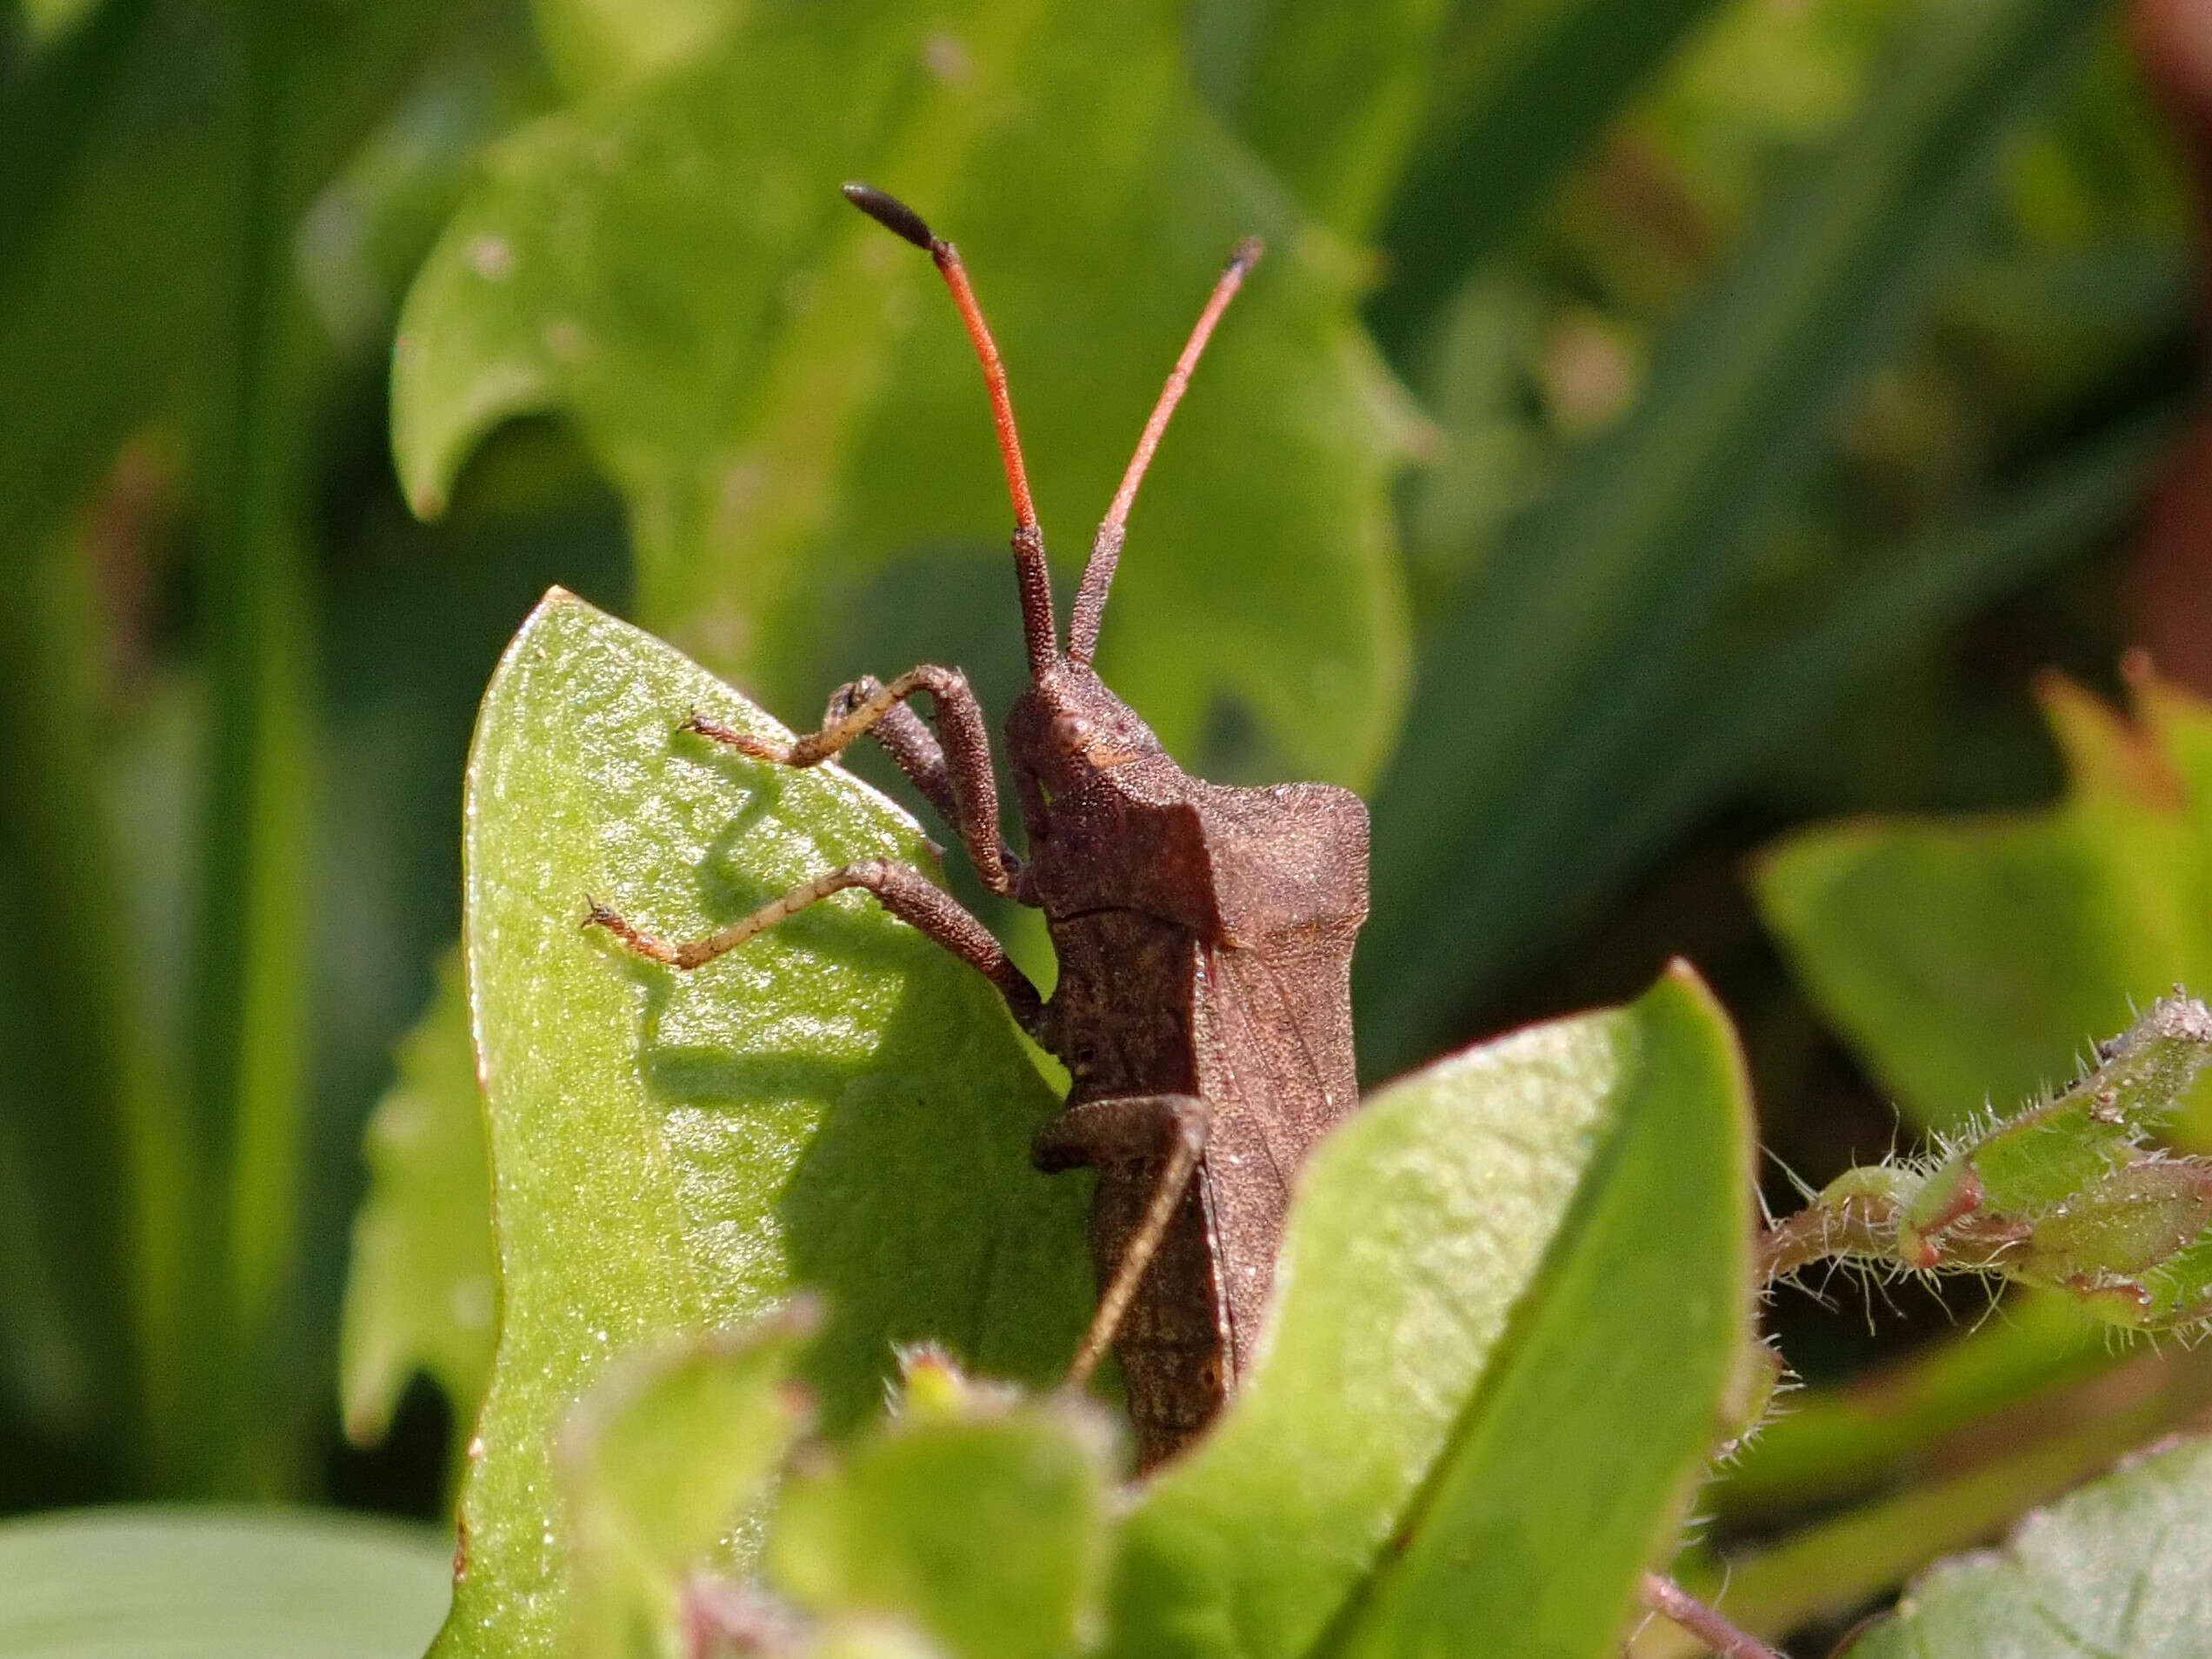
(840, 1105)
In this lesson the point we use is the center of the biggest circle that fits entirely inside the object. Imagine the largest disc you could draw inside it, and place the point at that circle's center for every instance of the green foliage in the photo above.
(1461, 1253)
(979, 1518)
(2067, 1194)
(183, 1583)
(789, 409)
(1969, 959)
(422, 1292)
(1756, 346)
(1558, 687)
(664, 1455)
(2090, 1575)
(146, 195)
(662, 1167)
(842, 1105)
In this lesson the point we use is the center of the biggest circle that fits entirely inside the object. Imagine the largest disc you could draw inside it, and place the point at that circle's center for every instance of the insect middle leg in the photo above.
(904, 891)
(952, 767)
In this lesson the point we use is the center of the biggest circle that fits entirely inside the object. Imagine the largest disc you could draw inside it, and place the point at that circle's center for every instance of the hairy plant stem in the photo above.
(1671, 1601)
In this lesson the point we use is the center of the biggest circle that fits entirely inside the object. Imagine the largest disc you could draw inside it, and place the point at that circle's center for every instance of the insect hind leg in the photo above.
(1167, 1129)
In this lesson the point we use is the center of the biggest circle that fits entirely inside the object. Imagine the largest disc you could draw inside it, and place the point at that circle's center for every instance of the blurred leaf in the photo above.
(118, 314)
(248, 1045)
(115, 313)
(184, 1583)
(595, 44)
(1844, 1439)
(1802, 648)
(1972, 958)
(360, 243)
(789, 405)
(840, 1105)
(49, 113)
(423, 1289)
(1334, 96)
(1838, 1564)
(1555, 678)
(980, 1518)
(1495, 1372)
(2115, 1569)
(94, 1150)
(1525, 88)
(660, 1462)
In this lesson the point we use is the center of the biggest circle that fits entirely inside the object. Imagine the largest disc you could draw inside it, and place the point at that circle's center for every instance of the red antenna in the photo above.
(1030, 571)
(1106, 548)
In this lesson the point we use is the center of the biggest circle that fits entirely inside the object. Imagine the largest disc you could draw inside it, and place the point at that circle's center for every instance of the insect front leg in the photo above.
(1163, 1131)
(903, 890)
(952, 768)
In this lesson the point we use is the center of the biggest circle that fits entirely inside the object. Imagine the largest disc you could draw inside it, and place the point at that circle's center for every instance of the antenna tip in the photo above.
(893, 215)
(1246, 254)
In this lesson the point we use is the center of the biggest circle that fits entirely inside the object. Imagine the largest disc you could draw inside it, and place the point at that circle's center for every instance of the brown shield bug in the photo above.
(1204, 936)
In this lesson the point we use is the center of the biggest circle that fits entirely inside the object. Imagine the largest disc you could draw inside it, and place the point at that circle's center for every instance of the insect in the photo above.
(1204, 935)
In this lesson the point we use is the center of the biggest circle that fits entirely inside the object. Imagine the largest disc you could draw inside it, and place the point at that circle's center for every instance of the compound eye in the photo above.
(1071, 733)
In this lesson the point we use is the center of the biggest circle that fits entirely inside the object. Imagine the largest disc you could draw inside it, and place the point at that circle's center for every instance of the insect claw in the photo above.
(637, 943)
(744, 742)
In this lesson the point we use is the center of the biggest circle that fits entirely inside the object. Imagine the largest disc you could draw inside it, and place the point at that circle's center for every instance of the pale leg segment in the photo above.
(904, 891)
(1111, 1129)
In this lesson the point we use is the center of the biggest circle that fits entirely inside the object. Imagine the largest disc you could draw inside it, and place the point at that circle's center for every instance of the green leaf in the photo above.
(186, 1583)
(1969, 958)
(1547, 693)
(1333, 97)
(660, 1463)
(424, 1285)
(789, 405)
(595, 45)
(2117, 1570)
(979, 1517)
(1526, 89)
(1514, 1294)
(840, 1105)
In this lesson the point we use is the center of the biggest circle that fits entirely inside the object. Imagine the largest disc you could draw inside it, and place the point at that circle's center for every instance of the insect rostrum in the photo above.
(1204, 936)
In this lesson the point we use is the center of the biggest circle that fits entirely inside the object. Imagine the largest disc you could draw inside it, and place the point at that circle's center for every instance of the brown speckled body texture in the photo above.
(1205, 941)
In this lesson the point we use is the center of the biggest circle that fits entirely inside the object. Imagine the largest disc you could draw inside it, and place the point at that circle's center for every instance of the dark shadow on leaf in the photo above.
(913, 1210)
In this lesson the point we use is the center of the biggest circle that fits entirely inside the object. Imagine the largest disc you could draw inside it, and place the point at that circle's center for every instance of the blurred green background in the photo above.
(1658, 424)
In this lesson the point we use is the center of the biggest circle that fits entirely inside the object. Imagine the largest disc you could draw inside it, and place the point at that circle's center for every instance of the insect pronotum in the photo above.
(1204, 935)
